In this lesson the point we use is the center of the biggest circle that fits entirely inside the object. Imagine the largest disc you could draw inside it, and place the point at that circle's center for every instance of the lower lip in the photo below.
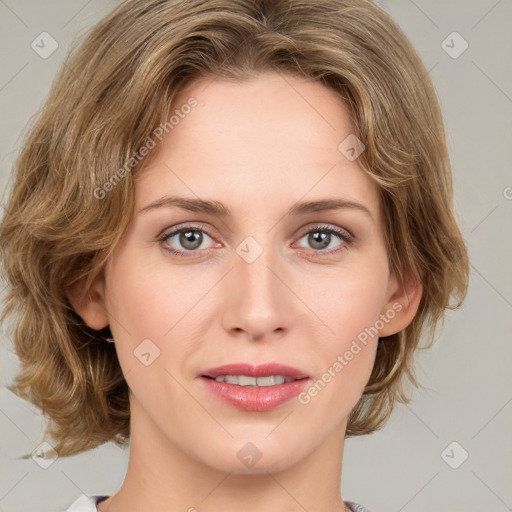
(252, 398)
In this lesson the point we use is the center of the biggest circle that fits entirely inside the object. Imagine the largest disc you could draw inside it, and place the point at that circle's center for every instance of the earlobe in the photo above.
(404, 296)
(89, 304)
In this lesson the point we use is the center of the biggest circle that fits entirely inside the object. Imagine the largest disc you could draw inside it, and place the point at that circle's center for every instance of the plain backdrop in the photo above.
(451, 448)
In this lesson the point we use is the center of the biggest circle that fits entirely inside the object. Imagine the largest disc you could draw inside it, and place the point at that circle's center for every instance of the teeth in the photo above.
(246, 380)
(270, 380)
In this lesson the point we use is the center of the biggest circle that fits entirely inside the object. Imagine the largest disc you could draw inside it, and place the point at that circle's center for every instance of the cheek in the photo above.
(142, 310)
(146, 299)
(158, 310)
(351, 305)
(351, 301)
(149, 309)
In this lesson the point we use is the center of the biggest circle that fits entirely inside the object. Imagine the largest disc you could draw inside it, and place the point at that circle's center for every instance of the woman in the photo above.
(252, 202)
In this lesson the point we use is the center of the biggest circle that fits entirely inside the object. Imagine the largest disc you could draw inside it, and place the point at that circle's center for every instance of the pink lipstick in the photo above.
(255, 387)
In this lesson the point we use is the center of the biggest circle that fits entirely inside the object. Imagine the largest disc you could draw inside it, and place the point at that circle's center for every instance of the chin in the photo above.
(261, 456)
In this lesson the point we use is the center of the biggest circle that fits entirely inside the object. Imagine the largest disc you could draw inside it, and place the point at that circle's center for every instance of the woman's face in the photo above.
(277, 277)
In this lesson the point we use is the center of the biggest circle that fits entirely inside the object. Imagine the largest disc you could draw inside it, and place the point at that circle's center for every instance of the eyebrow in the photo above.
(220, 210)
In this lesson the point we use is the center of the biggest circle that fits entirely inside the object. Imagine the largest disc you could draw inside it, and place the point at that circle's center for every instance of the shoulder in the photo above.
(85, 503)
(355, 507)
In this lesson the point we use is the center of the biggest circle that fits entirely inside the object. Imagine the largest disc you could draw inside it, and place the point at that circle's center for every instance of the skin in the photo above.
(257, 146)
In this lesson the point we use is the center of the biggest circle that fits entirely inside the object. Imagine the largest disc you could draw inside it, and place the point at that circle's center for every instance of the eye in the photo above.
(321, 238)
(188, 239)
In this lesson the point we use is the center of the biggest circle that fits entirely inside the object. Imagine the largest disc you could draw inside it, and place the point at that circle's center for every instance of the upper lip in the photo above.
(255, 370)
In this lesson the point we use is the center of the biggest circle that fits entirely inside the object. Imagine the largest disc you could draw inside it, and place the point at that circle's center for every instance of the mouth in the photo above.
(255, 387)
(248, 380)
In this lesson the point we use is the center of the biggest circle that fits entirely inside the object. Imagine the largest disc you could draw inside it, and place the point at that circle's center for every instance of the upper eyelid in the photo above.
(325, 226)
(179, 227)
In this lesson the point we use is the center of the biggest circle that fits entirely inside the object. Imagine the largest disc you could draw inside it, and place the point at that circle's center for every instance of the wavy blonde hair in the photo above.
(116, 87)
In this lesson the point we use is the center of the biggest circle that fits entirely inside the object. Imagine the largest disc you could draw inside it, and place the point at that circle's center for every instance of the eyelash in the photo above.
(342, 234)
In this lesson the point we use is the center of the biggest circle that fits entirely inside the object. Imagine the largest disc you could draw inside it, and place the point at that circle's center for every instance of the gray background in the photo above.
(467, 394)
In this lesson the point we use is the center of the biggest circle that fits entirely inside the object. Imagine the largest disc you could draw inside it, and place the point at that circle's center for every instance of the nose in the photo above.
(259, 303)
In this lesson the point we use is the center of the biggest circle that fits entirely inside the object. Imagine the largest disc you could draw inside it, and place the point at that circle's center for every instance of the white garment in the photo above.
(355, 507)
(87, 503)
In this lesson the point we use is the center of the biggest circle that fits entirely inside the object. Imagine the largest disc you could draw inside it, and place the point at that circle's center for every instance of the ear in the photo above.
(90, 304)
(403, 300)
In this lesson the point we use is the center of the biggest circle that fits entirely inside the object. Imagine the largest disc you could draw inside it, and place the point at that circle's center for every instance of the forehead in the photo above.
(245, 141)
